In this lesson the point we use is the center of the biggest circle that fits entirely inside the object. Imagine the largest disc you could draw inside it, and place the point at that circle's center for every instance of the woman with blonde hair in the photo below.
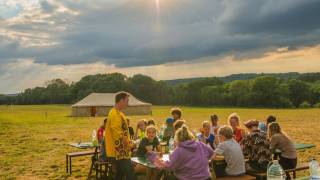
(234, 122)
(281, 141)
(147, 147)
(189, 160)
(140, 130)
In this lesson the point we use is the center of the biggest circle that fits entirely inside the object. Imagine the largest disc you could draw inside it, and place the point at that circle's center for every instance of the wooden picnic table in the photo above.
(301, 146)
(165, 157)
(145, 162)
(82, 145)
(298, 146)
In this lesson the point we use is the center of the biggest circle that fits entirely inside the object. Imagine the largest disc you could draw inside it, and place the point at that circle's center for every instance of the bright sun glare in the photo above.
(157, 6)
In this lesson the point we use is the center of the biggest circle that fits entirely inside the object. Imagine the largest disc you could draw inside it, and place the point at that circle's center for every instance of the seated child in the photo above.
(100, 131)
(214, 124)
(264, 126)
(147, 147)
(178, 124)
(205, 136)
(131, 131)
(189, 160)
(234, 122)
(232, 153)
(101, 141)
(169, 131)
(176, 114)
(151, 122)
(140, 130)
(102, 154)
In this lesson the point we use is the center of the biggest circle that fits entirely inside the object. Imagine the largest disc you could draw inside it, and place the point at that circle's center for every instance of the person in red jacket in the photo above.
(100, 131)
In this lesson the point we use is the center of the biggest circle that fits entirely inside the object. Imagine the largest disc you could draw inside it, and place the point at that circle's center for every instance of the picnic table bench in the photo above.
(300, 166)
(71, 155)
(244, 177)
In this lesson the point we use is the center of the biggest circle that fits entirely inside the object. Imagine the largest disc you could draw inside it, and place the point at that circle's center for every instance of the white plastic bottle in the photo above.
(161, 133)
(275, 171)
(171, 145)
(94, 138)
(314, 169)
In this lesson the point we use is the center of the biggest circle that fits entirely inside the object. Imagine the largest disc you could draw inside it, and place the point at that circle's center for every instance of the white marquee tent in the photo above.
(99, 104)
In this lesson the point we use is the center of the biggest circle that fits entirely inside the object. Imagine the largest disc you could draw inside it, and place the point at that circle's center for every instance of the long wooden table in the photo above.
(165, 157)
(300, 146)
(145, 162)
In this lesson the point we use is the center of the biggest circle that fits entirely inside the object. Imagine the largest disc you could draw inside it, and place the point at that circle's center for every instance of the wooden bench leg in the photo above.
(67, 165)
(294, 174)
(91, 168)
(105, 171)
(97, 169)
(70, 166)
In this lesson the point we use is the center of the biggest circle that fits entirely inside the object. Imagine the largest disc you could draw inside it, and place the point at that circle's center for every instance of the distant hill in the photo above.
(233, 77)
(182, 81)
(11, 95)
(304, 90)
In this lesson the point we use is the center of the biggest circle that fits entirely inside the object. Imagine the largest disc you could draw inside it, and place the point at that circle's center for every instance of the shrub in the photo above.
(285, 103)
(305, 104)
(317, 105)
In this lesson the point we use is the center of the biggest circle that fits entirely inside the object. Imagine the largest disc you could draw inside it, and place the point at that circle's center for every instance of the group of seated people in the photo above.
(243, 150)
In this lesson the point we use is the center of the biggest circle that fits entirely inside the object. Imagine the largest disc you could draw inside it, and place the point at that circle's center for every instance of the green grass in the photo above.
(33, 145)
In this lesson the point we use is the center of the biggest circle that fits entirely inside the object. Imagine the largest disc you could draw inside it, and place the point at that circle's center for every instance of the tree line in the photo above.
(261, 91)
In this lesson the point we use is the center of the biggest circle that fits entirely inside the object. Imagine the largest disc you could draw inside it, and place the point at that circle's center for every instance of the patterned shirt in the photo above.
(256, 147)
(116, 130)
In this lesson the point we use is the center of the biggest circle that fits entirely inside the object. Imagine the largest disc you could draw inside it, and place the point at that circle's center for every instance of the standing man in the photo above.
(118, 139)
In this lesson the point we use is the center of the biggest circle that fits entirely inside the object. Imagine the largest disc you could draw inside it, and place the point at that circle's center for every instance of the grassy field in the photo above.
(34, 139)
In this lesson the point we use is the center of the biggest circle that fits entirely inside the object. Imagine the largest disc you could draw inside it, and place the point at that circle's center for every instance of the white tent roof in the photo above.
(106, 99)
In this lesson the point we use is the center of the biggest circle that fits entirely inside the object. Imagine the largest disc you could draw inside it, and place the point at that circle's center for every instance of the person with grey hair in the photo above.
(232, 153)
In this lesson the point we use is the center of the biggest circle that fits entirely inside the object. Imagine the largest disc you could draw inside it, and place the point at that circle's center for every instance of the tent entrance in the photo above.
(93, 111)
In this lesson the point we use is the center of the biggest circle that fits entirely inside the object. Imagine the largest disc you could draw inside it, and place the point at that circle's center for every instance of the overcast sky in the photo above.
(165, 39)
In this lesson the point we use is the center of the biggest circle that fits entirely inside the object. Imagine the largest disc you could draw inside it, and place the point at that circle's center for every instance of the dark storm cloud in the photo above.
(287, 16)
(47, 7)
(129, 33)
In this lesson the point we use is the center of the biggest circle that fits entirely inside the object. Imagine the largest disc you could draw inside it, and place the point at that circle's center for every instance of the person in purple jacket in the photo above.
(190, 158)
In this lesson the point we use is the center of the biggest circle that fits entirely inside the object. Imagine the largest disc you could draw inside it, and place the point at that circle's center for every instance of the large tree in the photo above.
(299, 91)
(194, 89)
(143, 87)
(239, 93)
(100, 83)
(266, 92)
(213, 95)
